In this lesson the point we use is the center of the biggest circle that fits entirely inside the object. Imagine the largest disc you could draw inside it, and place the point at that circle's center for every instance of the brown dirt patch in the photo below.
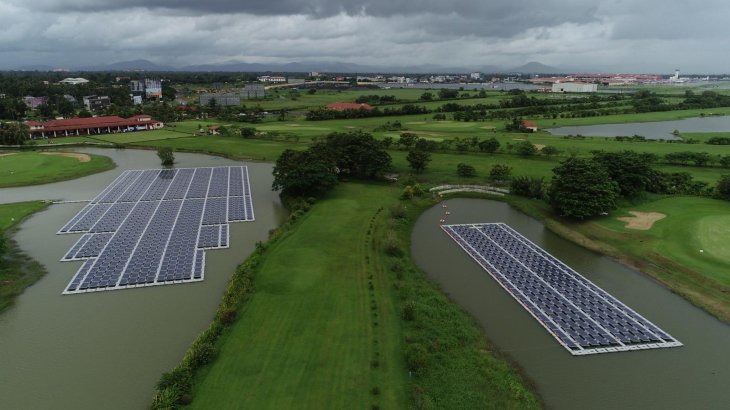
(78, 156)
(642, 221)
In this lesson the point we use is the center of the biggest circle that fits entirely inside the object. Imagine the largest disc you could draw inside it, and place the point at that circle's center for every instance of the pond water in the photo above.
(694, 376)
(108, 349)
(652, 130)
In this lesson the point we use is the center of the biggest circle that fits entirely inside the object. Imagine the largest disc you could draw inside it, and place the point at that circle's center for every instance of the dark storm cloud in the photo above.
(482, 16)
(638, 35)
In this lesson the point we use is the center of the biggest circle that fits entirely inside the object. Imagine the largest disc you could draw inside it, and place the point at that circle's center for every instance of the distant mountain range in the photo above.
(303, 67)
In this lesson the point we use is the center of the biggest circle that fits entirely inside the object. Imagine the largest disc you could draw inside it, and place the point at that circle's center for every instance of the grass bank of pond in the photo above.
(337, 320)
(43, 167)
(17, 270)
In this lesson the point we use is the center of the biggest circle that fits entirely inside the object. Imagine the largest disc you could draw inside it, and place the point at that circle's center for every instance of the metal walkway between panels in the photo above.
(581, 316)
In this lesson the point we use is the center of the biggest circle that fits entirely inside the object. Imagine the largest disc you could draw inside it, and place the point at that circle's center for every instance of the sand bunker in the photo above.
(7, 154)
(415, 122)
(539, 146)
(642, 221)
(488, 127)
(78, 156)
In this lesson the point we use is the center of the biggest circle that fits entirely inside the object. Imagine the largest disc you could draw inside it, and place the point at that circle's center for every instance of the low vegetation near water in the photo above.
(17, 270)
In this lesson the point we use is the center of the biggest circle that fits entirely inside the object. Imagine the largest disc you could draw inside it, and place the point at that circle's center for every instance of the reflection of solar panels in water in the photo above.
(581, 316)
(153, 227)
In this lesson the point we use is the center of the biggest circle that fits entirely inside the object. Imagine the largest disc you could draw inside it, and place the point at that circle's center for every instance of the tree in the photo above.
(723, 187)
(490, 146)
(12, 133)
(500, 172)
(582, 188)
(527, 187)
(387, 142)
(427, 96)
(465, 170)
(725, 161)
(248, 132)
(418, 160)
(629, 169)
(445, 94)
(549, 151)
(407, 139)
(356, 154)
(525, 148)
(167, 157)
(303, 173)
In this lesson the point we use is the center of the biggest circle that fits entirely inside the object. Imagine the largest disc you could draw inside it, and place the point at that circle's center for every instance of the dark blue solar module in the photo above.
(152, 227)
(580, 315)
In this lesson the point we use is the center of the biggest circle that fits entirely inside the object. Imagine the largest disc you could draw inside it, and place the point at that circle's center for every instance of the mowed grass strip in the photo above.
(305, 339)
(33, 168)
(17, 270)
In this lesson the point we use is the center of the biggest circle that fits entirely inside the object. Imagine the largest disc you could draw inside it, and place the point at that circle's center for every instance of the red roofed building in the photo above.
(91, 126)
(530, 126)
(341, 106)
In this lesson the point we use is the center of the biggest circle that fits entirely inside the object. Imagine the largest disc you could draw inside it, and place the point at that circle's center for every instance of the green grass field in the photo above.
(692, 224)
(312, 331)
(17, 271)
(33, 168)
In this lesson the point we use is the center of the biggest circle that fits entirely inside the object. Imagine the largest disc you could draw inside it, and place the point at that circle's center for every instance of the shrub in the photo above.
(723, 187)
(527, 187)
(397, 211)
(465, 170)
(416, 356)
(500, 172)
(525, 148)
(392, 245)
(409, 311)
(167, 157)
(165, 399)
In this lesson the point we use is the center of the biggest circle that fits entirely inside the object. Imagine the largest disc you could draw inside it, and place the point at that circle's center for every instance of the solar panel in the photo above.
(153, 227)
(581, 316)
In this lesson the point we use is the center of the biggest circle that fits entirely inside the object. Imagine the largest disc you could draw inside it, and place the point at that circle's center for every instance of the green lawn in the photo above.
(33, 168)
(17, 271)
(324, 327)
(692, 224)
(305, 338)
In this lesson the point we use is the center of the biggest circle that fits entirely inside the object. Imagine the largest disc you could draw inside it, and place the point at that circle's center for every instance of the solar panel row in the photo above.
(583, 317)
(153, 226)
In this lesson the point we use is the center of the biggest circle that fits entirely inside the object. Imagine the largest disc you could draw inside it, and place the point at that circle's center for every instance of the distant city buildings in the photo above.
(149, 88)
(34, 102)
(249, 91)
(74, 81)
(476, 76)
(272, 79)
(574, 87)
(152, 89)
(97, 102)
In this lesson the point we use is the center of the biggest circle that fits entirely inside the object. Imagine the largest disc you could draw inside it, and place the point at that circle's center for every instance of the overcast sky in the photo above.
(615, 35)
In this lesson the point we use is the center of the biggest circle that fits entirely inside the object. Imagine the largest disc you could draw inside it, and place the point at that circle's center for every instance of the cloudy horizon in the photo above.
(625, 36)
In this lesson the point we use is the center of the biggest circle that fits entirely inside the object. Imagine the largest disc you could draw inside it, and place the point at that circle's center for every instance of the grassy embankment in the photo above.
(331, 334)
(33, 168)
(17, 270)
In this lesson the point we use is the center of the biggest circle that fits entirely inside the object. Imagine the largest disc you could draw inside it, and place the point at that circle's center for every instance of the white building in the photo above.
(475, 76)
(74, 81)
(272, 79)
(575, 87)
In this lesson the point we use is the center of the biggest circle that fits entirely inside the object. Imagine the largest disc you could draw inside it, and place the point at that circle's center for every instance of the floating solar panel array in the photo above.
(152, 227)
(580, 315)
